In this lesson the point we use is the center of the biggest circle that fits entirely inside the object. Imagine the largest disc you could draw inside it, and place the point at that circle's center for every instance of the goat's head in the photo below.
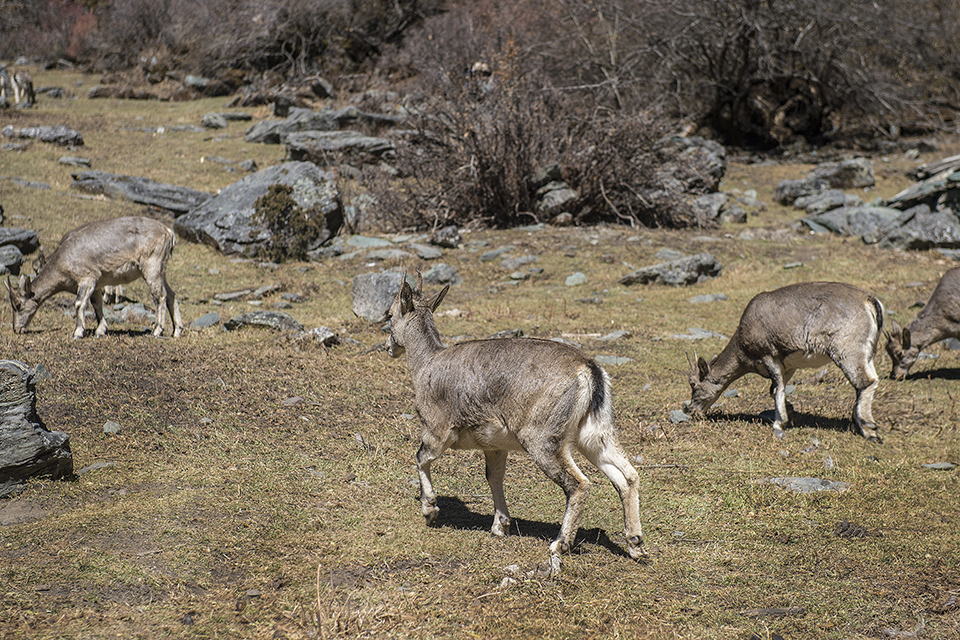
(903, 354)
(410, 310)
(23, 302)
(703, 391)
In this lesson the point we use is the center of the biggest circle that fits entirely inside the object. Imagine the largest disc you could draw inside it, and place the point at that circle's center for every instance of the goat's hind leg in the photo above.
(96, 299)
(84, 292)
(777, 389)
(560, 467)
(865, 380)
(606, 454)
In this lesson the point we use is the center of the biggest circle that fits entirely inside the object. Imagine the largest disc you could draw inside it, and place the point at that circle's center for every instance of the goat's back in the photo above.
(113, 243)
(816, 317)
(512, 378)
(944, 302)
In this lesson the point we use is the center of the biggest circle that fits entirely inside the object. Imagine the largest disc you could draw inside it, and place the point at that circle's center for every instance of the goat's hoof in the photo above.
(430, 515)
(875, 438)
(636, 549)
(500, 528)
(778, 433)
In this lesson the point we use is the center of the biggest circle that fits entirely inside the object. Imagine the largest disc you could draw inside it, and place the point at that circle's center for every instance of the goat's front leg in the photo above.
(97, 299)
(84, 291)
(775, 371)
(428, 498)
(496, 468)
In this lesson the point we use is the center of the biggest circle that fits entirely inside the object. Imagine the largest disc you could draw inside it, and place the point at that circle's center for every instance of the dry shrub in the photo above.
(293, 229)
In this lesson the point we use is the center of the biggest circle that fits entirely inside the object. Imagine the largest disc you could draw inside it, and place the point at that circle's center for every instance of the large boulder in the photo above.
(868, 223)
(847, 174)
(176, 199)
(228, 221)
(921, 229)
(373, 294)
(27, 448)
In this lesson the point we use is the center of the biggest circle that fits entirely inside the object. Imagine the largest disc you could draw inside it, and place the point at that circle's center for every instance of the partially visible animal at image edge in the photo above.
(939, 319)
(17, 84)
(508, 394)
(799, 326)
(97, 255)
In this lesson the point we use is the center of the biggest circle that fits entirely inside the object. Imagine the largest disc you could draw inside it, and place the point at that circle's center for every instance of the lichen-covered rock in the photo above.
(679, 272)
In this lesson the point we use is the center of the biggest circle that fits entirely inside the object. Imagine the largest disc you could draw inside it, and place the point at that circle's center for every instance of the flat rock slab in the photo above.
(23, 239)
(179, 200)
(299, 119)
(58, 135)
(270, 319)
(331, 147)
(679, 272)
(807, 485)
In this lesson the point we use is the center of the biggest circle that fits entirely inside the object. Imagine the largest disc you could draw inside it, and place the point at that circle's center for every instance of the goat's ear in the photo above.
(405, 297)
(703, 367)
(39, 262)
(906, 338)
(419, 289)
(436, 301)
(25, 286)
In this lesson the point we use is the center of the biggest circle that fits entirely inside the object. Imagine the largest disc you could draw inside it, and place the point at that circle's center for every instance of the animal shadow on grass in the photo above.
(798, 420)
(455, 513)
(942, 373)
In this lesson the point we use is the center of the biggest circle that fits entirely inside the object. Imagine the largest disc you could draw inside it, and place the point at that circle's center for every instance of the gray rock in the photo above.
(940, 466)
(576, 279)
(868, 223)
(677, 416)
(30, 184)
(388, 254)
(669, 254)
(426, 252)
(248, 165)
(555, 199)
(807, 485)
(615, 335)
(111, 428)
(328, 119)
(11, 259)
(922, 229)
(679, 154)
(693, 333)
(441, 273)
(27, 448)
(679, 272)
(940, 191)
(322, 335)
(228, 221)
(333, 147)
(733, 213)
(74, 161)
(447, 237)
(205, 321)
(23, 239)
(179, 200)
(366, 242)
(493, 254)
(828, 200)
(58, 135)
(788, 191)
(270, 319)
(708, 206)
(708, 297)
(846, 174)
(213, 121)
(373, 294)
(609, 361)
(512, 264)
(546, 175)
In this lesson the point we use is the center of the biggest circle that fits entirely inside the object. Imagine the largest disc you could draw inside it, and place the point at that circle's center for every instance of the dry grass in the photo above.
(231, 513)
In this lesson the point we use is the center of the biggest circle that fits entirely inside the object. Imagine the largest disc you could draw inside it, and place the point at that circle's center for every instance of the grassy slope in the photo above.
(230, 513)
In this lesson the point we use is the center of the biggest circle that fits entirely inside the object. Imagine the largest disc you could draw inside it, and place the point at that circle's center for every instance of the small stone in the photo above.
(793, 265)
(731, 393)
(519, 275)
(205, 321)
(111, 428)
(615, 335)
(677, 416)
(940, 466)
(291, 402)
(576, 279)
(612, 360)
(708, 297)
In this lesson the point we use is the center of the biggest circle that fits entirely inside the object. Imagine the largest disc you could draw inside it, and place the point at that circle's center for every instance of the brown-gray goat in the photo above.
(799, 326)
(939, 319)
(508, 394)
(99, 254)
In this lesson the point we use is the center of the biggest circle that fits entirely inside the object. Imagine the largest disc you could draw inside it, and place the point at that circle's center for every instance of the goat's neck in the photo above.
(49, 282)
(928, 328)
(422, 342)
(731, 364)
